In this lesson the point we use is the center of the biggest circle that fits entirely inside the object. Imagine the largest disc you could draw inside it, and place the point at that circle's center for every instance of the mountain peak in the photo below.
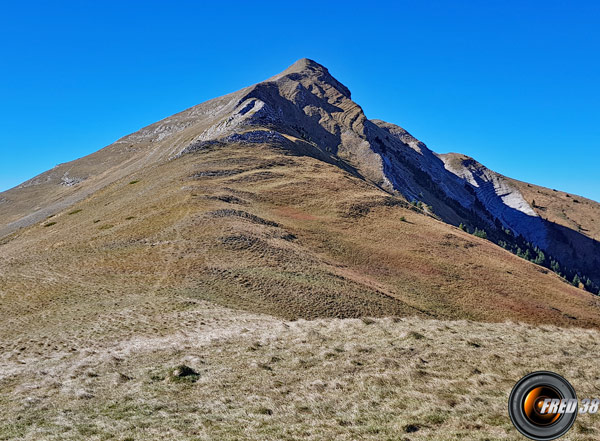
(307, 68)
(305, 64)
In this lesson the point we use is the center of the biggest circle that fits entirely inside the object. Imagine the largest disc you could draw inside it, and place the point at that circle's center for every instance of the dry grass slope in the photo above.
(257, 228)
(259, 378)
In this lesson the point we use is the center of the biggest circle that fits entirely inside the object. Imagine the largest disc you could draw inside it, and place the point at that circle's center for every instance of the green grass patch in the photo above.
(75, 211)
(49, 224)
(106, 227)
(133, 182)
(183, 374)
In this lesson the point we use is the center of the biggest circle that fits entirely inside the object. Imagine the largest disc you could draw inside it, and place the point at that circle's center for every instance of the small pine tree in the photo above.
(462, 227)
(480, 233)
(540, 258)
(576, 280)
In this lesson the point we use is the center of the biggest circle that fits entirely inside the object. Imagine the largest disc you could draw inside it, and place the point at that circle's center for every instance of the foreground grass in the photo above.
(266, 379)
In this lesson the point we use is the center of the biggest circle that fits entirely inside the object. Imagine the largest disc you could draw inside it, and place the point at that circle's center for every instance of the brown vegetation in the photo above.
(308, 241)
(226, 375)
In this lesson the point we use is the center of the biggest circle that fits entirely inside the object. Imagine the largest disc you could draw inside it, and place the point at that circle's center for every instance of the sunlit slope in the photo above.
(259, 228)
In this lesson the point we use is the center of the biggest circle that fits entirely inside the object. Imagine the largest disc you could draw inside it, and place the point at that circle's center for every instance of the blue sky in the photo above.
(513, 84)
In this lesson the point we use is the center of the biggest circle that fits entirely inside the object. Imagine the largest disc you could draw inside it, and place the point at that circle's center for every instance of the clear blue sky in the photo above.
(515, 86)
